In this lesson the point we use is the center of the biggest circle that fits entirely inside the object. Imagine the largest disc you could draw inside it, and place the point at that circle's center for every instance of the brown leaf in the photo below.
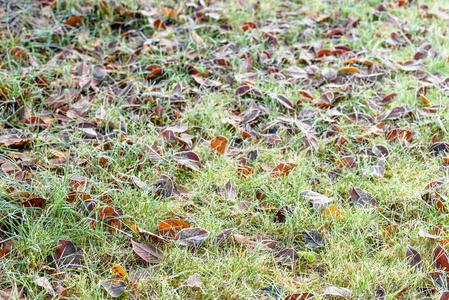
(43, 282)
(198, 40)
(282, 169)
(223, 236)
(360, 198)
(282, 213)
(299, 296)
(192, 237)
(229, 192)
(437, 183)
(11, 294)
(396, 134)
(140, 275)
(73, 21)
(444, 295)
(164, 186)
(284, 101)
(244, 171)
(4, 253)
(414, 257)
(19, 52)
(219, 144)
(242, 207)
(66, 255)
(347, 162)
(440, 259)
(159, 24)
(147, 252)
(287, 256)
(12, 140)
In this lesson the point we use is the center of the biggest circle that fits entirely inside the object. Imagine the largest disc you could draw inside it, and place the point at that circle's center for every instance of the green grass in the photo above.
(357, 255)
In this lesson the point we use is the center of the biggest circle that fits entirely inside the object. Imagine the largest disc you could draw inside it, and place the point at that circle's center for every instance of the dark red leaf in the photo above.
(440, 259)
(147, 252)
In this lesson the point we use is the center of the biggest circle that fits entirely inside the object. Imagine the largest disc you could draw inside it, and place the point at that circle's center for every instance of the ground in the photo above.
(224, 149)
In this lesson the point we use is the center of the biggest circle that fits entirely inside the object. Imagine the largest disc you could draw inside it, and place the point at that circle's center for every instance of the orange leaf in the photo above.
(244, 171)
(391, 229)
(444, 243)
(323, 52)
(168, 11)
(424, 99)
(135, 228)
(73, 21)
(4, 252)
(105, 211)
(331, 211)
(172, 224)
(282, 169)
(118, 270)
(19, 52)
(348, 70)
(219, 144)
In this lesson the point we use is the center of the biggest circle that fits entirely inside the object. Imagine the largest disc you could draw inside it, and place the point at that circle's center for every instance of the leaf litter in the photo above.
(285, 106)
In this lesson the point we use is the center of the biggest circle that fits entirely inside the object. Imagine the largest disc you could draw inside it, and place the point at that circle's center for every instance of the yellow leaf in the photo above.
(118, 270)
(331, 211)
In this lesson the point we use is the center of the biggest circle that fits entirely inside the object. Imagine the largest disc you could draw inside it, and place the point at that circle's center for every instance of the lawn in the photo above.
(233, 149)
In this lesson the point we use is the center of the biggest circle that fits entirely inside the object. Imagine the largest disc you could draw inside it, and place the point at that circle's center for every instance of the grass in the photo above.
(359, 252)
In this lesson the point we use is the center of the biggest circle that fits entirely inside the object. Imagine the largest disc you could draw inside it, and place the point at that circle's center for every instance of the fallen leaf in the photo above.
(413, 256)
(219, 144)
(317, 200)
(197, 39)
(114, 287)
(223, 236)
(66, 255)
(380, 293)
(282, 213)
(440, 259)
(283, 169)
(313, 239)
(147, 252)
(172, 224)
(361, 199)
(287, 256)
(192, 237)
(194, 280)
(73, 21)
(299, 296)
(348, 70)
(118, 270)
(337, 291)
(45, 283)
